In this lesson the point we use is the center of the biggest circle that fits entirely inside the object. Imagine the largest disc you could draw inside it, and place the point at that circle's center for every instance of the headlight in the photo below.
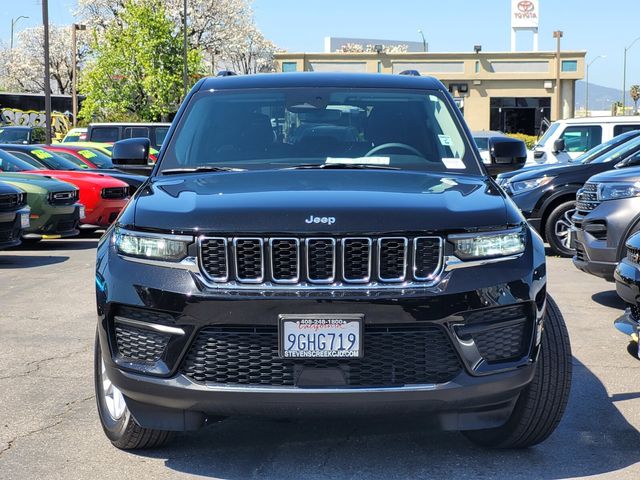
(526, 185)
(169, 248)
(485, 245)
(613, 191)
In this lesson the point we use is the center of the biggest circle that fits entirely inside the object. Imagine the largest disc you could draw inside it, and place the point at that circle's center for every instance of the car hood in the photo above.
(6, 189)
(341, 201)
(82, 179)
(628, 174)
(26, 181)
(542, 171)
(526, 169)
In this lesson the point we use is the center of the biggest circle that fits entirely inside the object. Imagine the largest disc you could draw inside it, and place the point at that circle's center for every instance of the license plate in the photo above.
(321, 336)
(24, 220)
(82, 212)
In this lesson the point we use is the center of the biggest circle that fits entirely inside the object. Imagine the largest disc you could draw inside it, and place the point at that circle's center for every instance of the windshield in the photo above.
(547, 135)
(50, 160)
(96, 157)
(9, 163)
(14, 135)
(275, 129)
(482, 143)
(620, 152)
(595, 152)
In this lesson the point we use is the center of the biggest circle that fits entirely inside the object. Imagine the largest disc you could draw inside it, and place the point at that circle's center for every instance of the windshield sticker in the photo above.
(445, 140)
(454, 163)
(360, 160)
(87, 153)
(41, 154)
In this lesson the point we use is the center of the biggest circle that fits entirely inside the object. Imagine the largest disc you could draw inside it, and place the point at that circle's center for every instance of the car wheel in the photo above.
(117, 422)
(541, 404)
(558, 227)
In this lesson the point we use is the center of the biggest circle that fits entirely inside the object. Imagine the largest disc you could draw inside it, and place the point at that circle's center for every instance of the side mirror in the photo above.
(558, 145)
(507, 154)
(132, 151)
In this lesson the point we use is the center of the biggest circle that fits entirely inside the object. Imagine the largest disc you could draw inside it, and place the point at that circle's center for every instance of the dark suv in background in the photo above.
(324, 244)
(112, 132)
(14, 215)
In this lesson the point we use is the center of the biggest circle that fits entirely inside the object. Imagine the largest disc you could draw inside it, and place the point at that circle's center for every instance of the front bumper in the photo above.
(599, 235)
(11, 227)
(161, 395)
(627, 278)
(59, 221)
(104, 213)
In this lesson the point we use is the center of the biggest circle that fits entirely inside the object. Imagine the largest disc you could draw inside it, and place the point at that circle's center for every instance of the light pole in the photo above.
(624, 75)
(74, 71)
(13, 25)
(558, 35)
(47, 79)
(424, 41)
(586, 99)
(184, 49)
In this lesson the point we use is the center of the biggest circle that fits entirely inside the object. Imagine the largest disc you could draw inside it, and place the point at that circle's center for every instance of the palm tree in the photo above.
(634, 91)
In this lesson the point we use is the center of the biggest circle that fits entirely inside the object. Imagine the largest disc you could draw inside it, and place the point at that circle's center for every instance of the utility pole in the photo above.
(586, 100)
(74, 71)
(185, 72)
(47, 79)
(558, 113)
(624, 75)
(13, 25)
(424, 41)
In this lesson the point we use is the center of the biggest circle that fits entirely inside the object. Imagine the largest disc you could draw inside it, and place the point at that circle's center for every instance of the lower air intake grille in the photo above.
(505, 343)
(138, 344)
(393, 356)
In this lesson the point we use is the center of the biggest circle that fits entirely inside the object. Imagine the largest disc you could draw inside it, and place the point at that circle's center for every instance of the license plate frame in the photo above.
(25, 222)
(283, 319)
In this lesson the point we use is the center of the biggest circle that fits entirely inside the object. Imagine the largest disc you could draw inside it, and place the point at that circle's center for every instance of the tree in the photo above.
(135, 72)
(23, 67)
(634, 91)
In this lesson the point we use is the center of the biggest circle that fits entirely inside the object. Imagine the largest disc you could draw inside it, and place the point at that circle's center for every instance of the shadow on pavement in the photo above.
(593, 438)
(609, 298)
(29, 261)
(82, 243)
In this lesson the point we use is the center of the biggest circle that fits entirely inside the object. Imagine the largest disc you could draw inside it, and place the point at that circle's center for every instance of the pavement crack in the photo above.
(36, 364)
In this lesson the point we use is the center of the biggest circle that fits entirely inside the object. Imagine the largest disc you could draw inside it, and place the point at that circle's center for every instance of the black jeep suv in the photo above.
(324, 244)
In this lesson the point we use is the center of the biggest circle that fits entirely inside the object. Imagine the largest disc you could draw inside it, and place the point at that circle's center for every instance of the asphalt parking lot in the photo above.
(49, 427)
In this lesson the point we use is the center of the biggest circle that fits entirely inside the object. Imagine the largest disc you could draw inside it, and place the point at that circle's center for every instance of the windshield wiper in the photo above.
(338, 166)
(209, 168)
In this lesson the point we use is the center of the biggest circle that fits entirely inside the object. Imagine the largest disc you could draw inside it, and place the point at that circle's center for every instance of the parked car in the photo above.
(22, 134)
(55, 210)
(547, 196)
(112, 132)
(566, 140)
(627, 278)
(584, 158)
(14, 215)
(78, 158)
(78, 134)
(102, 196)
(387, 273)
(106, 148)
(484, 142)
(607, 214)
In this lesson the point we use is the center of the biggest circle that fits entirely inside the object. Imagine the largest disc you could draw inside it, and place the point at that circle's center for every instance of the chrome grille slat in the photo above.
(321, 260)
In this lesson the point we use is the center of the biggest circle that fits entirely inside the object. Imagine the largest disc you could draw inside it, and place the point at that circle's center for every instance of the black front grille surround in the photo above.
(587, 198)
(63, 198)
(633, 255)
(115, 192)
(139, 344)
(12, 201)
(394, 355)
(321, 260)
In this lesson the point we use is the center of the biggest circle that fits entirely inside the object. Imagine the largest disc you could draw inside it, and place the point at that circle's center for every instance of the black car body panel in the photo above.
(464, 304)
(627, 278)
(13, 207)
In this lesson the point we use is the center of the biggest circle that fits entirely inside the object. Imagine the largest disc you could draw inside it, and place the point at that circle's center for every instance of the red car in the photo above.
(82, 156)
(102, 196)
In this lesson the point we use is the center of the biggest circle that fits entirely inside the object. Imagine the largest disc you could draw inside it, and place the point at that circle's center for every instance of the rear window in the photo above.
(624, 128)
(161, 133)
(136, 132)
(104, 134)
(284, 128)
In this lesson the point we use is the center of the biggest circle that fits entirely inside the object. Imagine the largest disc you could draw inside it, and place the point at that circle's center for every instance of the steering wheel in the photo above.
(386, 146)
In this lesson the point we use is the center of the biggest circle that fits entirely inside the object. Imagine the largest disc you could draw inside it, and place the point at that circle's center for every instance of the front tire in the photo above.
(118, 424)
(542, 403)
(557, 228)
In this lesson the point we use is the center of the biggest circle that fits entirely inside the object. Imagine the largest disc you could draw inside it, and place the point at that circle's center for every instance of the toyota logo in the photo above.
(525, 6)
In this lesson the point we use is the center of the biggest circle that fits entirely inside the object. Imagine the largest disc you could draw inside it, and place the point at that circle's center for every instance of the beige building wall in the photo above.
(485, 75)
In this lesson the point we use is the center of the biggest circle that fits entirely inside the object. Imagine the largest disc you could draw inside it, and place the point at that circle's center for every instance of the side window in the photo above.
(580, 138)
(161, 132)
(624, 128)
(136, 132)
(104, 134)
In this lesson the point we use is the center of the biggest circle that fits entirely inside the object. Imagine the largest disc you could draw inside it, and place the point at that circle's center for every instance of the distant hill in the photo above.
(600, 98)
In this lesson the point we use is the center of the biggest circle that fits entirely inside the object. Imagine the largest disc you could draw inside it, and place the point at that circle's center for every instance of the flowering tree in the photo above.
(23, 67)
(360, 48)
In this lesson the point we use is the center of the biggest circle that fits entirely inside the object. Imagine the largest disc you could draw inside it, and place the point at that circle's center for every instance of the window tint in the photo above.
(76, 161)
(482, 143)
(624, 128)
(104, 134)
(26, 158)
(10, 162)
(161, 132)
(136, 132)
(580, 138)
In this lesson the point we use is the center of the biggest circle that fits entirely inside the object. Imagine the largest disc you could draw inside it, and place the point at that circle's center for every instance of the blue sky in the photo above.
(601, 28)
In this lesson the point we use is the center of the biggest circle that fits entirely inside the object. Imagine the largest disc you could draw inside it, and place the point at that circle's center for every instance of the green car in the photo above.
(55, 211)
